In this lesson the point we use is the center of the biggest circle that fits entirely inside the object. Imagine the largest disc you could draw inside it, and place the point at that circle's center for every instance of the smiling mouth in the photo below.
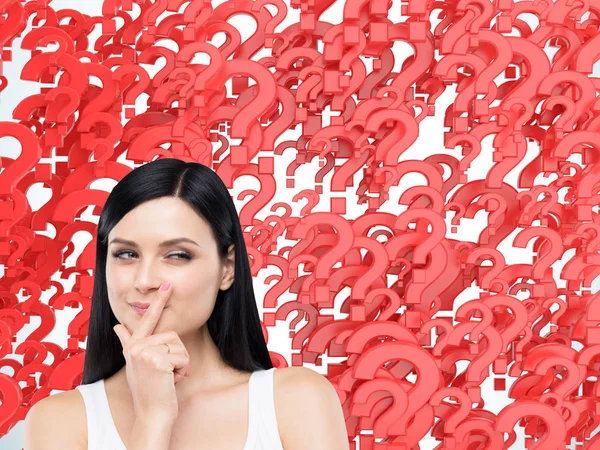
(137, 310)
(141, 311)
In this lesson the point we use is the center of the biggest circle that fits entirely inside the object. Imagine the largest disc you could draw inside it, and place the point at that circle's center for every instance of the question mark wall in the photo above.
(416, 182)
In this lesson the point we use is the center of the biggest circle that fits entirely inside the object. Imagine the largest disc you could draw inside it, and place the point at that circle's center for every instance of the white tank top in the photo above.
(262, 423)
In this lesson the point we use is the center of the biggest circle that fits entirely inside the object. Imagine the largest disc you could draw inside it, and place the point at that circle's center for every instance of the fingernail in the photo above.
(165, 285)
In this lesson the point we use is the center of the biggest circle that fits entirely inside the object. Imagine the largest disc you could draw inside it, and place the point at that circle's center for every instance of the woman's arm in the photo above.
(311, 414)
(55, 423)
(151, 433)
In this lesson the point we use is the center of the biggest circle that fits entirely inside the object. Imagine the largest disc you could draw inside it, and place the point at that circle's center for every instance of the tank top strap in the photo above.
(101, 429)
(263, 411)
(90, 400)
(252, 411)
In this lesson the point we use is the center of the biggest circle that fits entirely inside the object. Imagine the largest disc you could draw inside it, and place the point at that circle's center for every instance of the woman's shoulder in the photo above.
(59, 418)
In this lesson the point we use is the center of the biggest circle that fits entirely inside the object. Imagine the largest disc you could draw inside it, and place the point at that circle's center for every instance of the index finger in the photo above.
(152, 314)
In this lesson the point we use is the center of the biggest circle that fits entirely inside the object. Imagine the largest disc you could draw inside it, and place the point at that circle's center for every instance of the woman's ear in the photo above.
(229, 275)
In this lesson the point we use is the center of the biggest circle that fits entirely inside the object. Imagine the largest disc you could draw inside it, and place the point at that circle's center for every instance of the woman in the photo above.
(190, 368)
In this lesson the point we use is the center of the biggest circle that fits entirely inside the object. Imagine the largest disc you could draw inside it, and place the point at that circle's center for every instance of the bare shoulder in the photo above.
(296, 378)
(308, 409)
(57, 422)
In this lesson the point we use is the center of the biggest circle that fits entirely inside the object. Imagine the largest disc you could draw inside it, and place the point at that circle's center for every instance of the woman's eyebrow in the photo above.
(162, 244)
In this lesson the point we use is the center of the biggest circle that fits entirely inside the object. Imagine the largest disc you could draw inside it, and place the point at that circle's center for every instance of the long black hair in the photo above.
(234, 324)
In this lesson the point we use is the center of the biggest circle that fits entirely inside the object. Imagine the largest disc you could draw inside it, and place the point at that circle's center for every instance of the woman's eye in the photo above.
(180, 255)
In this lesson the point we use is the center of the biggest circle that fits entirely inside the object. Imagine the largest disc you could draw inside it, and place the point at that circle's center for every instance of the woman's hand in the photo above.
(152, 372)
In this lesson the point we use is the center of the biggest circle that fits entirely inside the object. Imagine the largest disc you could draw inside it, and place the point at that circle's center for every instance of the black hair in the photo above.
(234, 324)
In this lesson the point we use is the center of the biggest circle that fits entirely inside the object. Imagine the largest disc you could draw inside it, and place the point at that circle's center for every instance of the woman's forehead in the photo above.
(150, 223)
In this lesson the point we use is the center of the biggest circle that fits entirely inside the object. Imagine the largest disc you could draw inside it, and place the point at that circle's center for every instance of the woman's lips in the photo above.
(141, 311)
(137, 310)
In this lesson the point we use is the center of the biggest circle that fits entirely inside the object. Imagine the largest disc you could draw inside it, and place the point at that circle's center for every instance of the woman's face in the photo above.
(134, 273)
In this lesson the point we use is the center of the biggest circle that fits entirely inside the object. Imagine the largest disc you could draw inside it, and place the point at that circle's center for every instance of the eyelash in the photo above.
(184, 255)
